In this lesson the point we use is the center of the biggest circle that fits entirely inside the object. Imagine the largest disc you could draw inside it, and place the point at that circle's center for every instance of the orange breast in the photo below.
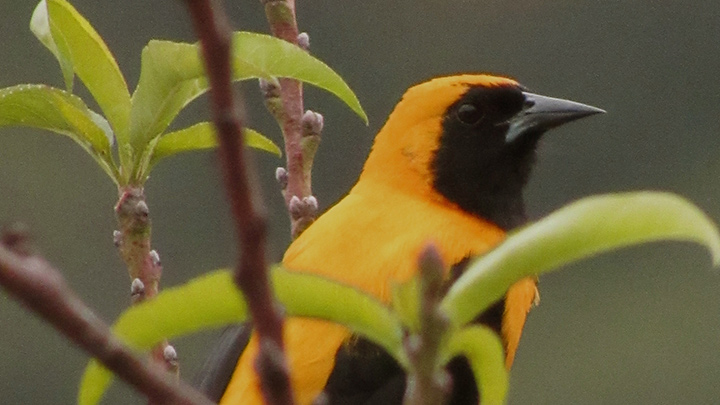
(370, 240)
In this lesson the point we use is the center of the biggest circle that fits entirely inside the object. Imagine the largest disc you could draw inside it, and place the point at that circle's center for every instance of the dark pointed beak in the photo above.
(542, 113)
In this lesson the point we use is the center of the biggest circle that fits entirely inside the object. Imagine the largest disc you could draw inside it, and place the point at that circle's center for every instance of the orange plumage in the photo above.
(404, 199)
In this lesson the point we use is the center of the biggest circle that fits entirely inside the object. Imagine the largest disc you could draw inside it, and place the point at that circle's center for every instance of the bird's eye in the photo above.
(469, 114)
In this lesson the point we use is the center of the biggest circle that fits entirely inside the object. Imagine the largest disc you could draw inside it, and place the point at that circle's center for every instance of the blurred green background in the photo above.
(637, 326)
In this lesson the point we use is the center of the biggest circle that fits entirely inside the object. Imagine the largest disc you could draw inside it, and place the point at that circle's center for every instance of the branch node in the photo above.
(137, 291)
(272, 97)
(311, 205)
(295, 207)
(303, 40)
(302, 212)
(141, 210)
(269, 88)
(131, 207)
(117, 238)
(155, 257)
(312, 123)
(170, 355)
(281, 175)
(307, 207)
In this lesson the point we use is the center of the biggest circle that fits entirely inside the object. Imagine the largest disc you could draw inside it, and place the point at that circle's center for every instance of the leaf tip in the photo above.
(710, 238)
(363, 116)
(715, 253)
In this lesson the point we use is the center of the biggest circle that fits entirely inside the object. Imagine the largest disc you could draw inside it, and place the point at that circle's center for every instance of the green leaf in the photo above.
(172, 75)
(582, 229)
(212, 301)
(318, 297)
(209, 301)
(44, 107)
(81, 46)
(40, 26)
(405, 302)
(202, 136)
(484, 351)
(283, 59)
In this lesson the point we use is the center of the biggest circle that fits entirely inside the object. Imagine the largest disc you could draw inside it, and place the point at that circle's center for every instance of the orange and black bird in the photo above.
(449, 166)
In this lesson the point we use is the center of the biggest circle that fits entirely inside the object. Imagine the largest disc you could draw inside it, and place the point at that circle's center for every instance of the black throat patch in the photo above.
(474, 166)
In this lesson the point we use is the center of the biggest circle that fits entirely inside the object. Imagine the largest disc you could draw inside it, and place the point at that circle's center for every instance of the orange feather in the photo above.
(372, 237)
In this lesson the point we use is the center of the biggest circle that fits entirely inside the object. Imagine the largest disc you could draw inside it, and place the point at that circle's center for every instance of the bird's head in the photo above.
(467, 140)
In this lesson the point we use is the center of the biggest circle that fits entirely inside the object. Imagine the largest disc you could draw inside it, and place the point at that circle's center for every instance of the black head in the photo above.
(487, 148)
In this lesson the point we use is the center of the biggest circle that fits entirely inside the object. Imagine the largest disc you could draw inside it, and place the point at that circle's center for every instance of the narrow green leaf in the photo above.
(172, 75)
(405, 303)
(209, 301)
(44, 107)
(318, 297)
(206, 302)
(202, 136)
(212, 301)
(484, 351)
(283, 59)
(78, 42)
(582, 229)
(40, 26)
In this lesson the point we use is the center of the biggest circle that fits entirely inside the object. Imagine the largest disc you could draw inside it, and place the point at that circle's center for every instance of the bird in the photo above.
(448, 167)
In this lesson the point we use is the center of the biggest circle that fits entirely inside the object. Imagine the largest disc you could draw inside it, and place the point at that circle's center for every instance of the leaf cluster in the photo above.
(131, 136)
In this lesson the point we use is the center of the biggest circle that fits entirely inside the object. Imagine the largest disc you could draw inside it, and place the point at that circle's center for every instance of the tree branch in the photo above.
(251, 275)
(286, 104)
(144, 266)
(133, 240)
(40, 287)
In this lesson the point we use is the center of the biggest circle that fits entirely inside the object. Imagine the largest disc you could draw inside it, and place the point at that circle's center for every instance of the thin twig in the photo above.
(35, 283)
(133, 240)
(300, 145)
(428, 383)
(251, 275)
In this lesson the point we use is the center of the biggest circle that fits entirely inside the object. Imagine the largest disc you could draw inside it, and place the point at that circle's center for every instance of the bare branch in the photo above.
(251, 275)
(40, 287)
(286, 104)
(133, 240)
